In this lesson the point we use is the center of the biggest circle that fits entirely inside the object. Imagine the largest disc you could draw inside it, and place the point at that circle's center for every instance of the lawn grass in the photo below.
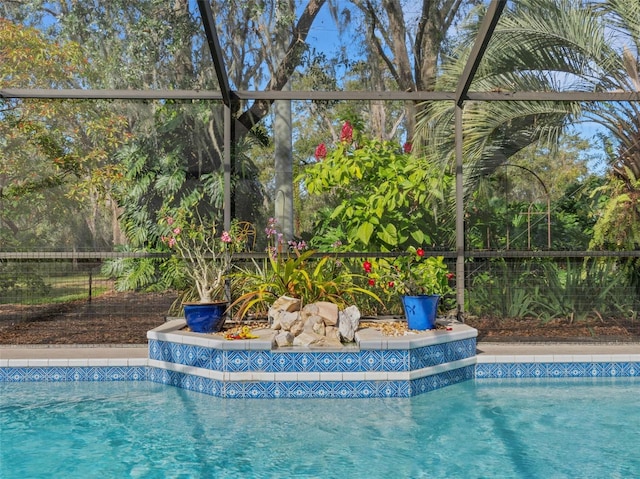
(60, 289)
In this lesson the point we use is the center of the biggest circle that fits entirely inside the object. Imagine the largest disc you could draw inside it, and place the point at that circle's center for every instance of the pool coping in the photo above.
(487, 352)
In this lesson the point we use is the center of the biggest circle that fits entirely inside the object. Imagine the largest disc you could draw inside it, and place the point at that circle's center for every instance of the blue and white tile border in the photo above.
(557, 366)
(57, 370)
(376, 367)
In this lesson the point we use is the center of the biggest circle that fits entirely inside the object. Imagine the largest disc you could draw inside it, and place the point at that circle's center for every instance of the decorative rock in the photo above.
(307, 339)
(288, 319)
(333, 336)
(328, 312)
(320, 323)
(298, 326)
(314, 324)
(311, 308)
(284, 338)
(348, 322)
(283, 303)
(274, 319)
(286, 303)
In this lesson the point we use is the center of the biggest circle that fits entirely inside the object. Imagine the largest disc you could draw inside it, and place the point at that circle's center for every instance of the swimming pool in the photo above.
(529, 428)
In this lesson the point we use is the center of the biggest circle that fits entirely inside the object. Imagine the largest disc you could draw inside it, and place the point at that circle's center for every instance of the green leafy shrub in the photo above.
(292, 270)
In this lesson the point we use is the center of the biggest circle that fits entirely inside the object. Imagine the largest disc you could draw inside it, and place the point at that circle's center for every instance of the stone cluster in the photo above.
(318, 324)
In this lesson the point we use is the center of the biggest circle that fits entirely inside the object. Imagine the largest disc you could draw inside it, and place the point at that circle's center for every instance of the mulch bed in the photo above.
(125, 318)
(558, 330)
(115, 318)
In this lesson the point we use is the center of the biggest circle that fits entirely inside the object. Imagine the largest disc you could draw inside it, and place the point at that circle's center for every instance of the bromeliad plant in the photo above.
(410, 274)
(290, 269)
(203, 251)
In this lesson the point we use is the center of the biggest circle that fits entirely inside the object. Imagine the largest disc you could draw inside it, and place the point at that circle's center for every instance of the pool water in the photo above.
(577, 428)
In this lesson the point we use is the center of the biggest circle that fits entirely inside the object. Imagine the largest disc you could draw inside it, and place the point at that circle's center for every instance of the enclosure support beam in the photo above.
(460, 253)
(464, 82)
(485, 32)
(227, 167)
(210, 31)
(79, 94)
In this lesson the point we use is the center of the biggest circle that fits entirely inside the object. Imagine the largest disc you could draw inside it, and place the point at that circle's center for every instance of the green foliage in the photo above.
(290, 270)
(56, 159)
(299, 275)
(618, 226)
(501, 291)
(593, 289)
(410, 274)
(21, 277)
(385, 197)
(138, 274)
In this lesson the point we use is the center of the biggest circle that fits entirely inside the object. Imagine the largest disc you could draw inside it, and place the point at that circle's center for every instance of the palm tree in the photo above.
(547, 45)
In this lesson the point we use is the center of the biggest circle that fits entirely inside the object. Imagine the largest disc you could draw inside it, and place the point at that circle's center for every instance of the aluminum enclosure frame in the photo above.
(228, 96)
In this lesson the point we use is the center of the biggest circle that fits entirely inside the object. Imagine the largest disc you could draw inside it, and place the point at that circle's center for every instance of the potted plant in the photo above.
(204, 256)
(419, 280)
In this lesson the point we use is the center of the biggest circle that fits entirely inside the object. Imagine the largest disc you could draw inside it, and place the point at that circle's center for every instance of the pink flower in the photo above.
(346, 134)
(407, 147)
(300, 245)
(321, 152)
(226, 237)
(177, 231)
(172, 242)
(169, 220)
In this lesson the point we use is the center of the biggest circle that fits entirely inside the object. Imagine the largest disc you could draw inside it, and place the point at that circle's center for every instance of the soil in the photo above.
(125, 318)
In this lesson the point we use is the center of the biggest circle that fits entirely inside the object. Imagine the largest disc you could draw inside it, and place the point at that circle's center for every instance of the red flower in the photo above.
(407, 147)
(391, 284)
(367, 266)
(420, 252)
(372, 282)
(346, 134)
(321, 152)
(451, 275)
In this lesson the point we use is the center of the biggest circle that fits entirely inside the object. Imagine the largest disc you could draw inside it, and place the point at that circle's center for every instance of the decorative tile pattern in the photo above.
(296, 374)
(320, 389)
(60, 374)
(399, 370)
(270, 361)
(437, 381)
(557, 370)
(394, 369)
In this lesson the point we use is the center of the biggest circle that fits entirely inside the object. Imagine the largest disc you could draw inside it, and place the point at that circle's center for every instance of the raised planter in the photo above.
(373, 366)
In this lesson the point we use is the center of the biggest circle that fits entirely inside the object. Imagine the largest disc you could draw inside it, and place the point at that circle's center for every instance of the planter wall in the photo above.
(374, 366)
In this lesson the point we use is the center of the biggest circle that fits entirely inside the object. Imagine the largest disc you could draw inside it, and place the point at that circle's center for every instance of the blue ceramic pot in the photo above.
(205, 317)
(421, 311)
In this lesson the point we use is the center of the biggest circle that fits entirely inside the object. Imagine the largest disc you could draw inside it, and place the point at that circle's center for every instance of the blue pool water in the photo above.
(577, 428)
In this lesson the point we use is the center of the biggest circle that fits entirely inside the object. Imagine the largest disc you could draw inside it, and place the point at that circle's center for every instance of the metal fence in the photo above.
(509, 284)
